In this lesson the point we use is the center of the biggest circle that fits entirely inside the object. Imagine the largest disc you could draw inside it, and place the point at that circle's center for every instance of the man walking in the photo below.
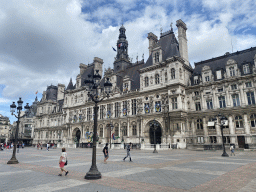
(48, 146)
(105, 152)
(18, 147)
(128, 147)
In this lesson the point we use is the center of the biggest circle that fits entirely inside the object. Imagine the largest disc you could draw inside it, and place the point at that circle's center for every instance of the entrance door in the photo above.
(241, 141)
(158, 135)
(78, 136)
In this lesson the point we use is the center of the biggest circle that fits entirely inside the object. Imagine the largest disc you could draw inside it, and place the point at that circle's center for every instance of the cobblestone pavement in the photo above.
(172, 170)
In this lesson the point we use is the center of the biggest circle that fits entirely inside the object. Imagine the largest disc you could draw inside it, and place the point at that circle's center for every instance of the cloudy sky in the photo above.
(42, 42)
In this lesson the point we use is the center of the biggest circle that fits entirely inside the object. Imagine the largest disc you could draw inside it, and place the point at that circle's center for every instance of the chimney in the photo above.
(183, 46)
(82, 67)
(152, 38)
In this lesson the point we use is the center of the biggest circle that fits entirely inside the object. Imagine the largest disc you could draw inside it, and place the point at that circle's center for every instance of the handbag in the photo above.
(66, 162)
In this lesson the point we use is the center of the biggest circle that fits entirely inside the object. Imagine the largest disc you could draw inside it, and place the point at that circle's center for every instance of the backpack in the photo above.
(103, 150)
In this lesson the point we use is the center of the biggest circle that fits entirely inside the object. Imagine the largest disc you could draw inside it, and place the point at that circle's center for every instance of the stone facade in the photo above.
(4, 129)
(165, 90)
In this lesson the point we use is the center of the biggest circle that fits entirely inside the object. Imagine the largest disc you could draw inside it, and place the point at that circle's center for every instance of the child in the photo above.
(62, 161)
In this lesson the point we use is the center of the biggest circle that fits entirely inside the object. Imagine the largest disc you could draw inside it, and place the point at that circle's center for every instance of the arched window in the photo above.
(199, 124)
(134, 130)
(253, 120)
(146, 81)
(239, 121)
(173, 73)
(157, 78)
(116, 130)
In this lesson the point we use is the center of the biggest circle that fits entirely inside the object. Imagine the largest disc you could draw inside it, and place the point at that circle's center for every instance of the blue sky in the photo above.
(44, 41)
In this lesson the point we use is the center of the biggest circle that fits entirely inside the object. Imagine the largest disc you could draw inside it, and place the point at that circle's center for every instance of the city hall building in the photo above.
(164, 95)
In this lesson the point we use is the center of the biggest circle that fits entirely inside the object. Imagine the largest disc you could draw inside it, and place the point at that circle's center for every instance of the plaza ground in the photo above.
(171, 170)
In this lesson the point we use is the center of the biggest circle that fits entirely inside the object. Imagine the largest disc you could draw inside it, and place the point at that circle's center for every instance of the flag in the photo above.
(113, 136)
(36, 92)
(114, 49)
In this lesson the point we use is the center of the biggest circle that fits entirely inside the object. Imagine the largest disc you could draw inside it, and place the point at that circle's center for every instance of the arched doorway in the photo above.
(78, 135)
(155, 126)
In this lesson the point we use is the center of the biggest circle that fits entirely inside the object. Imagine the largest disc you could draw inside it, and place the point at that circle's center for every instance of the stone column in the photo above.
(218, 132)
(246, 125)
(231, 129)
(193, 131)
(206, 138)
(242, 95)
(128, 128)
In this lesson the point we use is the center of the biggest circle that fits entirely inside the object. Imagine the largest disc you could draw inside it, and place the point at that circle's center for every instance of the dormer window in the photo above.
(126, 86)
(157, 78)
(232, 71)
(173, 73)
(156, 57)
(246, 69)
(207, 79)
(146, 81)
(196, 81)
(218, 74)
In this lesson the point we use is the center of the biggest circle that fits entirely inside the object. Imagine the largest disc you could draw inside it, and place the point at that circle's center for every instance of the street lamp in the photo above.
(154, 125)
(13, 160)
(93, 84)
(223, 120)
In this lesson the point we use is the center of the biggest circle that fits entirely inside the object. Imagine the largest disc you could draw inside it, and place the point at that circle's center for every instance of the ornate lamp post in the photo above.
(154, 126)
(13, 160)
(93, 84)
(222, 119)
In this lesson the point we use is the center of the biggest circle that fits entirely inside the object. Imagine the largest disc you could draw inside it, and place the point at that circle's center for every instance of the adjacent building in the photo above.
(4, 129)
(162, 95)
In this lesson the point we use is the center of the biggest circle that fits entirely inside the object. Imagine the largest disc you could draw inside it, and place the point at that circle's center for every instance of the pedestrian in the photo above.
(62, 162)
(128, 148)
(41, 145)
(232, 150)
(47, 146)
(23, 145)
(18, 147)
(105, 152)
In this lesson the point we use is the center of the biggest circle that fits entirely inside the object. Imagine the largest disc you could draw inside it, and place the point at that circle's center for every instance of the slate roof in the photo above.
(88, 71)
(70, 85)
(169, 46)
(51, 93)
(241, 57)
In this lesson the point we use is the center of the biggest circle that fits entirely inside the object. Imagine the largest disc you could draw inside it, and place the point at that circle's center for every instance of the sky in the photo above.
(43, 42)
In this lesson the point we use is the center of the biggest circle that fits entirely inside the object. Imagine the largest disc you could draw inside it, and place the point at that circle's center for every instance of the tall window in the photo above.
(196, 81)
(235, 99)
(239, 121)
(248, 84)
(116, 130)
(174, 103)
(253, 120)
(101, 131)
(158, 106)
(207, 78)
(199, 124)
(156, 57)
(133, 106)
(116, 109)
(101, 111)
(125, 130)
(198, 106)
(222, 102)
(246, 69)
(173, 73)
(108, 111)
(196, 93)
(146, 81)
(232, 71)
(147, 108)
(250, 97)
(124, 108)
(218, 74)
(134, 130)
(209, 104)
(234, 87)
(157, 78)
(89, 115)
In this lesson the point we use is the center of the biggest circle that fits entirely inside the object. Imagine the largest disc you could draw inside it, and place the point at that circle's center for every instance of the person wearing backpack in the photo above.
(128, 147)
(63, 161)
(105, 152)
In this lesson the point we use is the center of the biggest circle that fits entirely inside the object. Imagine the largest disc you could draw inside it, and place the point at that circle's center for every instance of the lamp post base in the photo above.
(93, 174)
(13, 161)
(225, 155)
